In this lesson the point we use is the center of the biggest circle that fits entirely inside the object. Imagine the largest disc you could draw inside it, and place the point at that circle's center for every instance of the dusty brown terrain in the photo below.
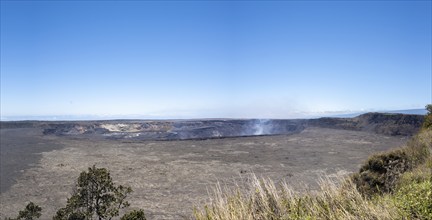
(170, 177)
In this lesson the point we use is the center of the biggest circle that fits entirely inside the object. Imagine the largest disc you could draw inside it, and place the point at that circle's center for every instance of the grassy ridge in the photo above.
(389, 185)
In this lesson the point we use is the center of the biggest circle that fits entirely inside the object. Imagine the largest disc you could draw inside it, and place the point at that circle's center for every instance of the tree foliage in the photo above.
(95, 197)
(427, 124)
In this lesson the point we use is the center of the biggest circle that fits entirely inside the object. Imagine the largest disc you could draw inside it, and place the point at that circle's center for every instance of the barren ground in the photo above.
(169, 178)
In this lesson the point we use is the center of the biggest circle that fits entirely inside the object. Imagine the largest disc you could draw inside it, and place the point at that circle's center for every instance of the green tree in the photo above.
(427, 124)
(95, 197)
(134, 215)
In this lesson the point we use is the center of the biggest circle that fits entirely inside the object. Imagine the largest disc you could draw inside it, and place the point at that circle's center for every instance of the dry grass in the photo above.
(337, 199)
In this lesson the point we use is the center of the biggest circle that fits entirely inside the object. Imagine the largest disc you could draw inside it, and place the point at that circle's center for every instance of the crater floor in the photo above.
(169, 178)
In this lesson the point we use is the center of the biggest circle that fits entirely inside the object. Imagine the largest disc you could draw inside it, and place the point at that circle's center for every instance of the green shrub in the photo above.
(381, 171)
(134, 215)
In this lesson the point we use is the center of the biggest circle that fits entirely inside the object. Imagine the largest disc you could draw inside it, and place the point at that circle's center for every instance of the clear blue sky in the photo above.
(197, 59)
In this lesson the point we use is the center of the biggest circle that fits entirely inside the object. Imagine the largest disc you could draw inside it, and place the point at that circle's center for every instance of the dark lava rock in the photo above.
(381, 123)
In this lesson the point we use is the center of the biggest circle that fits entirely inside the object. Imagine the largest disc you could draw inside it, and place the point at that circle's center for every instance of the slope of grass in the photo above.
(413, 193)
(381, 172)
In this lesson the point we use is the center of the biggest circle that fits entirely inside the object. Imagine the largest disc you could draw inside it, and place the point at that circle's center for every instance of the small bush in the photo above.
(381, 171)
(134, 215)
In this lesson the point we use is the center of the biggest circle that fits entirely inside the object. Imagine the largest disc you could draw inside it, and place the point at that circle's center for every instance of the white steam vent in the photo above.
(262, 127)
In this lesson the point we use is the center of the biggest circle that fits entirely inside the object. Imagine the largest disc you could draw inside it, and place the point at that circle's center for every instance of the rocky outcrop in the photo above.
(381, 123)
(18, 124)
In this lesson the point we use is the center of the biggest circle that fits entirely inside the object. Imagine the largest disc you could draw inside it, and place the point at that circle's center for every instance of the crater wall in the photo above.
(380, 123)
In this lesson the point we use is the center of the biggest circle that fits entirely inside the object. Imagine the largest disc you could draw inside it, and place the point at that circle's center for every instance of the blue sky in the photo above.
(193, 59)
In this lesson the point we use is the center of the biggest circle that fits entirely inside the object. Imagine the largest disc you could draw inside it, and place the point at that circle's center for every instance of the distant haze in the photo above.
(66, 60)
(259, 130)
(408, 111)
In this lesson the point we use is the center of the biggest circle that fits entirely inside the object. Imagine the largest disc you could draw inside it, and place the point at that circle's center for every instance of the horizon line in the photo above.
(103, 117)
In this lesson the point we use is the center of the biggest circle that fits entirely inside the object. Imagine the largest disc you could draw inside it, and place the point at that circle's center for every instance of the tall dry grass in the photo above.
(262, 199)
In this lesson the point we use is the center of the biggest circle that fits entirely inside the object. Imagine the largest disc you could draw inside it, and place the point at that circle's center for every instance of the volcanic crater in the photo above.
(172, 164)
